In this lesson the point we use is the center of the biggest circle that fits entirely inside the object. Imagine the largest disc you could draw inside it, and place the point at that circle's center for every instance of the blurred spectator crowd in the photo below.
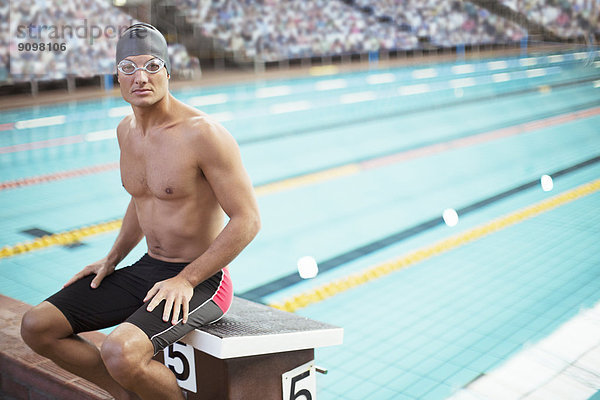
(566, 18)
(87, 30)
(272, 30)
(445, 22)
(268, 30)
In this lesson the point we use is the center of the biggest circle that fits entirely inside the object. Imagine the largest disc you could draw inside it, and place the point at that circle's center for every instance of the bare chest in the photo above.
(161, 170)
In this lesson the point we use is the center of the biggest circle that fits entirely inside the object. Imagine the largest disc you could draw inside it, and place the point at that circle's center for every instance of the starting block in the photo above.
(254, 352)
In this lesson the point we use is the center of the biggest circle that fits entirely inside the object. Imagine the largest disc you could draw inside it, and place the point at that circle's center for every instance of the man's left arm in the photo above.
(222, 166)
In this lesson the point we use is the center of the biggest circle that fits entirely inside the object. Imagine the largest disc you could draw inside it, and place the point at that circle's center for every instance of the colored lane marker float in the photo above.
(303, 180)
(338, 286)
(59, 239)
(58, 176)
(347, 169)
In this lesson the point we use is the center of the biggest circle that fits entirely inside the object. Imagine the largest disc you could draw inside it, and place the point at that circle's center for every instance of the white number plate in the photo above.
(300, 383)
(179, 357)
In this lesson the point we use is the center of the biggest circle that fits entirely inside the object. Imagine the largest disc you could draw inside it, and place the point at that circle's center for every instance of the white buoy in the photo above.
(307, 267)
(547, 183)
(450, 217)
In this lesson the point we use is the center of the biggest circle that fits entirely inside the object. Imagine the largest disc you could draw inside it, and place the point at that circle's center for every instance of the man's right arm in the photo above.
(129, 236)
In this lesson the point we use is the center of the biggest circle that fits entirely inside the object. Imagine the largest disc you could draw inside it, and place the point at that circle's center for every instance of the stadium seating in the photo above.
(272, 30)
(89, 30)
(567, 19)
(446, 23)
(275, 30)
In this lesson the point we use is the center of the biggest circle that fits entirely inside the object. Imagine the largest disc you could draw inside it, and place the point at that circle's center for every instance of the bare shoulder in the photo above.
(212, 144)
(123, 127)
(208, 133)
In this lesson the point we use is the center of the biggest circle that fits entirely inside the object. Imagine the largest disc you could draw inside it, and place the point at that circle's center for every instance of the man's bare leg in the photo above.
(127, 353)
(46, 330)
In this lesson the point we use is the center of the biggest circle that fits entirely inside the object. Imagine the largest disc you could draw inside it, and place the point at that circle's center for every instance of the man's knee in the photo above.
(125, 352)
(43, 324)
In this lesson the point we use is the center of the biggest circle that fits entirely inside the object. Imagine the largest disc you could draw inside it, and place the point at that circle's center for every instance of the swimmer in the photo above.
(184, 172)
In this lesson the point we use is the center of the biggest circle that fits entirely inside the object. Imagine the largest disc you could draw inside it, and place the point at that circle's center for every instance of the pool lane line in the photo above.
(352, 168)
(42, 144)
(258, 293)
(61, 239)
(420, 109)
(56, 176)
(38, 233)
(60, 141)
(81, 138)
(338, 286)
(7, 126)
(424, 151)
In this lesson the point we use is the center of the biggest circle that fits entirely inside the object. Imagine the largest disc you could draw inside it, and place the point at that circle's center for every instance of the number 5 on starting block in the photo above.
(179, 357)
(300, 383)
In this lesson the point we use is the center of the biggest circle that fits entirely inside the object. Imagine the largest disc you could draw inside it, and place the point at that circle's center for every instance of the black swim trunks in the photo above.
(119, 299)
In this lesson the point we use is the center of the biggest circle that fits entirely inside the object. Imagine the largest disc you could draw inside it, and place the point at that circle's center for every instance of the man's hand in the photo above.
(176, 292)
(101, 268)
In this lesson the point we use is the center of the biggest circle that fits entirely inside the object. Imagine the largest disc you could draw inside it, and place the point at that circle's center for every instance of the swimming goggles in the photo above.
(152, 66)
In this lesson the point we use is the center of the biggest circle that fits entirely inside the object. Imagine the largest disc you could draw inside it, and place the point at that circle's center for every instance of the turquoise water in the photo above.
(419, 333)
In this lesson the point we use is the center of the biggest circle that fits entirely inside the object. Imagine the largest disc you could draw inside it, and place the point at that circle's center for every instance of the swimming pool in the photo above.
(355, 170)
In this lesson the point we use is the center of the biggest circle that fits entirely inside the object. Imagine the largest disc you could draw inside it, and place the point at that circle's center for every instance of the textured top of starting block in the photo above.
(250, 329)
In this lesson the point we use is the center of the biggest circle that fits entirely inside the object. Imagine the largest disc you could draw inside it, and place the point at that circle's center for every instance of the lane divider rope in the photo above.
(351, 168)
(58, 176)
(311, 178)
(341, 285)
(61, 239)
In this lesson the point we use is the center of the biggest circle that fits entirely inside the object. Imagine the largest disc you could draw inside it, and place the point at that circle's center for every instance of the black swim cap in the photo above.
(140, 39)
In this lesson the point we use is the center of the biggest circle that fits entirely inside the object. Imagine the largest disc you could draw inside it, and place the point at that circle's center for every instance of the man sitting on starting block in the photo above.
(183, 170)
